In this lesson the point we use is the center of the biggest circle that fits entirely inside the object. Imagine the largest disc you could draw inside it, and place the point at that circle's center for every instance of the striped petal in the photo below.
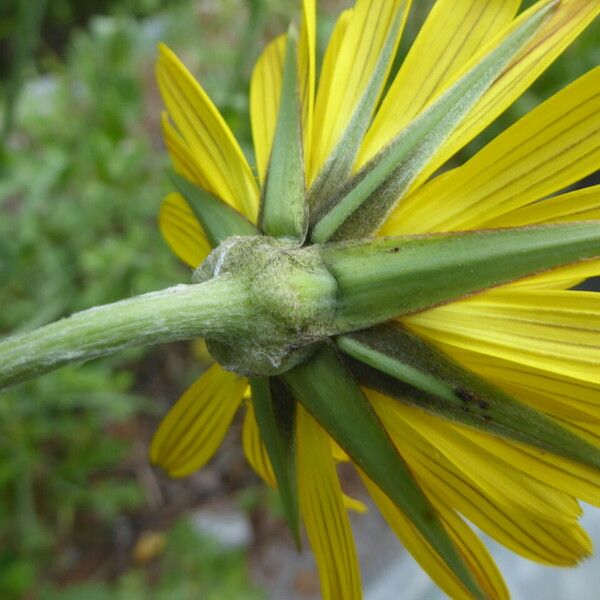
(550, 148)
(568, 20)
(182, 231)
(307, 69)
(214, 150)
(580, 205)
(584, 205)
(453, 32)
(585, 429)
(494, 476)
(537, 540)
(265, 88)
(542, 540)
(555, 332)
(557, 472)
(474, 553)
(558, 395)
(182, 156)
(325, 518)
(257, 457)
(255, 450)
(563, 277)
(326, 77)
(265, 95)
(350, 64)
(541, 373)
(195, 426)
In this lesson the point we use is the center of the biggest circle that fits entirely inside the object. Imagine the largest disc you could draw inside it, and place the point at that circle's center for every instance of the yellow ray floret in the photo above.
(265, 88)
(265, 93)
(550, 148)
(563, 277)
(560, 473)
(559, 543)
(323, 512)
(212, 146)
(351, 62)
(453, 31)
(567, 21)
(257, 457)
(307, 69)
(580, 205)
(327, 70)
(556, 332)
(182, 231)
(474, 553)
(254, 449)
(492, 474)
(194, 428)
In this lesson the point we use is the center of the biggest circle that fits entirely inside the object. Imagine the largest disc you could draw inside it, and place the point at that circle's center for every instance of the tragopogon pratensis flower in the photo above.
(491, 399)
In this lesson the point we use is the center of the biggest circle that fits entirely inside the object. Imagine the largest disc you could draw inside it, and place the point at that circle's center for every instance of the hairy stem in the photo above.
(216, 307)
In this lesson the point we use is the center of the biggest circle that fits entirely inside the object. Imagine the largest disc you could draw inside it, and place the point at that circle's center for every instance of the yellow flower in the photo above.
(534, 338)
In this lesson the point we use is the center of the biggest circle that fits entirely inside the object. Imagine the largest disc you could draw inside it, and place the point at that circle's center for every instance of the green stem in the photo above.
(216, 307)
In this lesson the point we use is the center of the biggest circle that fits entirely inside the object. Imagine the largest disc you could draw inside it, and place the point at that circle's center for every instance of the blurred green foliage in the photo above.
(81, 181)
(79, 195)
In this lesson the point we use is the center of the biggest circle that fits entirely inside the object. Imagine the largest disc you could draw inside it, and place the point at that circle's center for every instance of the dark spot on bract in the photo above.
(466, 395)
(429, 516)
(483, 405)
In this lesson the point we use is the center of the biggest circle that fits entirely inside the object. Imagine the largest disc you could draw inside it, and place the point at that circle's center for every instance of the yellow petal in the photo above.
(587, 430)
(339, 454)
(538, 539)
(325, 518)
(307, 70)
(567, 21)
(580, 205)
(257, 457)
(550, 148)
(195, 426)
(351, 63)
(214, 150)
(563, 277)
(557, 332)
(182, 231)
(452, 33)
(563, 474)
(494, 476)
(265, 95)
(354, 504)
(255, 450)
(327, 71)
(558, 396)
(182, 155)
(265, 88)
(474, 553)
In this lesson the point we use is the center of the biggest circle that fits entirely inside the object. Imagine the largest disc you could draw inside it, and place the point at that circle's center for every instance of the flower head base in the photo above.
(294, 312)
(438, 364)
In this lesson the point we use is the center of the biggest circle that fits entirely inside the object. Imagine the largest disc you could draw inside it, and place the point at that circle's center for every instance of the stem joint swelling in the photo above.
(292, 297)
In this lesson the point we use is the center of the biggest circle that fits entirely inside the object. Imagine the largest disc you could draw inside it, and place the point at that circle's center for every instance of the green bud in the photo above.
(292, 297)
